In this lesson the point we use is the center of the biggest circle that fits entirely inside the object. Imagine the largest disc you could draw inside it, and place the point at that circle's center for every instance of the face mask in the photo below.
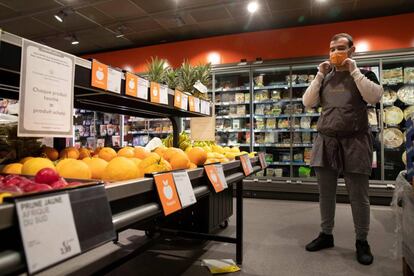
(336, 58)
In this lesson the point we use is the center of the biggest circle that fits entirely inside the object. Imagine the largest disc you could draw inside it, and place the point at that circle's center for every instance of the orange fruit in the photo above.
(72, 168)
(152, 158)
(192, 166)
(180, 161)
(22, 161)
(170, 152)
(13, 168)
(107, 154)
(160, 150)
(120, 168)
(96, 151)
(50, 153)
(136, 161)
(96, 165)
(197, 155)
(126, 152)
(211, 160)
(141, 152)
(32, 166)
(69, 152)
(84, 153)
(161, 166)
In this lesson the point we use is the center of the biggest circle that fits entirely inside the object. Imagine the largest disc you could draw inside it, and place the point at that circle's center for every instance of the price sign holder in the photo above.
(246, 164)
(99, 75)
(131, 84)
(184, 188)
(59, 225)
(216, 176)
(262, 160)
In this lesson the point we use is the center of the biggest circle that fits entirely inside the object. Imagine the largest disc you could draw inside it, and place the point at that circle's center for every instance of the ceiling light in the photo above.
(258, 60)
(74, 40)
(252, 7)
(59, 16)
(321, 1)
(120, 31)
(242, 62)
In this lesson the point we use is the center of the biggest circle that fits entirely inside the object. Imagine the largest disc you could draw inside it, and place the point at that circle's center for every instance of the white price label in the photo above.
(184, 188)
(220, 173)
(163, 94)
(143, 86)
(197, 104)
(184, 102)
(48, 230)
(114, 80)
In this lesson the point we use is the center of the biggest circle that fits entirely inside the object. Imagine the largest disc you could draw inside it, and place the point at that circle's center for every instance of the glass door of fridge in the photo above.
(271, 119)
(232, 109)
(398, 101)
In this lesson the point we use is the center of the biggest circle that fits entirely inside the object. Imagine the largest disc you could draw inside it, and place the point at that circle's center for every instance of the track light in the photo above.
(120, 31)
(60, 15)
(252, 6)
(74, 41)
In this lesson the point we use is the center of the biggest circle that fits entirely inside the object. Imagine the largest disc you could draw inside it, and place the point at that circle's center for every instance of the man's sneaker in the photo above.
(321, 242)
(364, 255)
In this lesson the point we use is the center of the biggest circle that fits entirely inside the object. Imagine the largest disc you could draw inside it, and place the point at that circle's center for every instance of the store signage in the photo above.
(167, 193)
(216, 176)
(48, 230)
(131, 84)
(155, 92)
(196, 104)
(191, 103)
(114, 80)
(180, 100)
(184, 188)
(163, 94)
(204, 107)
(203, 128)
(262, 160)
(46, 91)
(99, 75)
(246, 164)
(143, 86)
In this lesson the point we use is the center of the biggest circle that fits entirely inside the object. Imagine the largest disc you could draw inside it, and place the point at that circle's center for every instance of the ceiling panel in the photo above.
(291, 18)
(120, 9)
(154, 6)
(144, 24)
(217, 27)
(7, 12)
(26, 27)
(174, 20)
(149, 37)
(277, 5)
(23, 6)
(96, 15)
(211, 14)
(240, 10)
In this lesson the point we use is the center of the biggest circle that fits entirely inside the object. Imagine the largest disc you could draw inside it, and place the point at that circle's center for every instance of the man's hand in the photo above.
(324, 67)
(349, 64)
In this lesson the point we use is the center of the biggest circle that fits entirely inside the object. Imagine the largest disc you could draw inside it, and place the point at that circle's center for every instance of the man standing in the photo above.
(344, 142)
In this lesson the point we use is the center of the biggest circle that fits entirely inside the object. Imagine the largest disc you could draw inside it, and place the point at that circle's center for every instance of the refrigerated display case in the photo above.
(231, 93)
(139, 131)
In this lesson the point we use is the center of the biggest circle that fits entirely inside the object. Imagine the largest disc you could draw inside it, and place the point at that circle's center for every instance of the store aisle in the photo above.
(275, 235)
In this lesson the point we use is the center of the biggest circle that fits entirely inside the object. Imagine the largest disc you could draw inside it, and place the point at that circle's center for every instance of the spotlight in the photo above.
(258, 60)
(243, 61)
(74, 40)
(252, 7)
(59, 16)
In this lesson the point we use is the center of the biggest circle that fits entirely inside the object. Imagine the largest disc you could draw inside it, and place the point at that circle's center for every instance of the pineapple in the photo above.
(171, 77)
(157, 70)
(186, 77)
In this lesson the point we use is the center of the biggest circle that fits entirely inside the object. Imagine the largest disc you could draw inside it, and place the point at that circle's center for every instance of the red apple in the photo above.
(11, 189)
(12, 180)
(47, 176)
(37, 187)
(61, 183)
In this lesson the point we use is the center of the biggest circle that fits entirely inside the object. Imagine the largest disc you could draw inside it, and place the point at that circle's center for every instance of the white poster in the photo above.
(184, 188)
(48, 230)
(46, 92)
(143, 86)
(184, 102)
(114, 80)
(163, 94)
(197, 104)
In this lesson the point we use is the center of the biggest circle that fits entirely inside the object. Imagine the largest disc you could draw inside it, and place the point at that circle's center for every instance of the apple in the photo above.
(37, 187)
(61, 183)
(11, 189)
(12, 180)
(47, 176)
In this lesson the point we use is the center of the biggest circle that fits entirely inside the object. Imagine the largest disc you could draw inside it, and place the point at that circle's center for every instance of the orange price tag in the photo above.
(99, 75)
(178, 97)
(262, 160)
(191, 103)
(167, 193)
(246, 164)
(131, 84)
(155, 92)
(214, 177)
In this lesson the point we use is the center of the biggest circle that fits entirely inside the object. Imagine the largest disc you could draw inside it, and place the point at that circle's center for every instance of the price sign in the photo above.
(143, 86)
(48, 230)
(246, 164)
(163, 94)
(131, 84)
(191, 103)
(178, 95)
(184, 188)
(196, 104)
(155, 92)
(167, 193)
(216, 176)
(114, 80)
(262, 160)
(46, 92)
(99, 75)
(184, 102)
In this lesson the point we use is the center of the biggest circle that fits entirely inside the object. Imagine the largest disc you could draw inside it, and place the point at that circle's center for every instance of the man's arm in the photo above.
(368, 85)
(311, 96)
